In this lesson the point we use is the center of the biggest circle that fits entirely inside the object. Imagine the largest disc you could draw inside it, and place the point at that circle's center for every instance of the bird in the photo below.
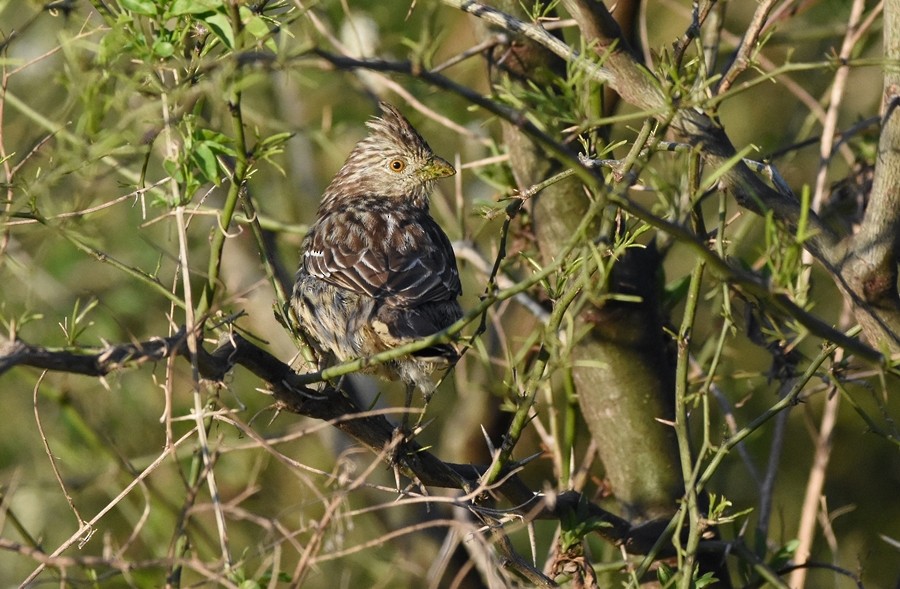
(377, 271)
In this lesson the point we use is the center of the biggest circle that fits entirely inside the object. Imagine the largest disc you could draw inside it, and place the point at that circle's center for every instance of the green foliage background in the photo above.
(115, 114)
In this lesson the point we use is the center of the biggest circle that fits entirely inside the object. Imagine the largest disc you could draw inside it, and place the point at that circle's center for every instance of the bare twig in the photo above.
(835, 99)
(699, 13)
(816, 482)
(91, 523)
(814, 486)
(741, 59)
(59, 479)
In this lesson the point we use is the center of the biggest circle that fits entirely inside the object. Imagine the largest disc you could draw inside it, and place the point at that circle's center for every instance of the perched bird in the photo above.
(377, 270)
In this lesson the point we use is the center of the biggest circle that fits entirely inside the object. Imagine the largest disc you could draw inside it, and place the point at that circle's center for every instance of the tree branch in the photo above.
(639, 87)
(862, 269)
(16, 352)
(374, 432)
(747, 282)
(870, 266)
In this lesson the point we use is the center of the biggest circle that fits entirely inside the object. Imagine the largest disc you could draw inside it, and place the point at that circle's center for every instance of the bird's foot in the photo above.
(397, 448)
(397, 452)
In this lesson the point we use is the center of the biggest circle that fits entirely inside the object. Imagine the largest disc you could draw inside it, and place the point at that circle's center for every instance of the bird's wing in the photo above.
(424, 273)
(401, 260)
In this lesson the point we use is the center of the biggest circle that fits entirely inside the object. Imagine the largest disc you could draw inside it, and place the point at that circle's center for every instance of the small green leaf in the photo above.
(218, 142)
(664, 574)
(182, 7)
(271, 146)
(275, 140)
(784, 554)
(219, 24)
(145, 7)
(206, 162)
(174, 170)
(163, 49)
(254, 25)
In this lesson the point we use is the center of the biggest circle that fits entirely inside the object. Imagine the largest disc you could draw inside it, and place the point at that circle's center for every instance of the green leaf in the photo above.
(174, 170)
(219, 24)
(664, 574)
(784, 554)
(253, 23)
(163, 48)
(256, 26)
(145, 7)
(272, 145)
(218, 142)
(206, 162)
(707, 579)
(275, 140)
(182, 7)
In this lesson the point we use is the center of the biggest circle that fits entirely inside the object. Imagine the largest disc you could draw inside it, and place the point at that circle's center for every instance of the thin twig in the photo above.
(91, 523)
(59, 479)
(835, 100)
(741, 59)
(816, 480)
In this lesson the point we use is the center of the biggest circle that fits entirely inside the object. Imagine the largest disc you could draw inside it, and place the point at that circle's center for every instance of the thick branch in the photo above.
(879, 233)
(620, 341)
(870, 267)
(101, 363)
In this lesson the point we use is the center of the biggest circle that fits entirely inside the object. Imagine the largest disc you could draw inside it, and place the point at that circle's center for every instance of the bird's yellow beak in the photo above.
(438, 168)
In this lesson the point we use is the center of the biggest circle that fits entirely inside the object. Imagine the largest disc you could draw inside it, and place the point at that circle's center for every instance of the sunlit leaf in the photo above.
(219, 24)
(145, 7)
(182, 7)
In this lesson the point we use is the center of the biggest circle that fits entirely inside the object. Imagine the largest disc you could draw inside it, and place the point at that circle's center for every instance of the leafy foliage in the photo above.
(159, 162)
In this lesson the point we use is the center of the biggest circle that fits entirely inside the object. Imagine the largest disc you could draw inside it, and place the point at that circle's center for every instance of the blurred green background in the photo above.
(83, 105)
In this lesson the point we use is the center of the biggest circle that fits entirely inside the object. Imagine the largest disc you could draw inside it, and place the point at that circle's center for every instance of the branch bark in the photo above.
(870, 265)
(621, 400)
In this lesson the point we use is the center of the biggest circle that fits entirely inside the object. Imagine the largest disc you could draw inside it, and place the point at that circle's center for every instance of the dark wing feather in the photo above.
(342, 257)
(425, 273)
(402, 258)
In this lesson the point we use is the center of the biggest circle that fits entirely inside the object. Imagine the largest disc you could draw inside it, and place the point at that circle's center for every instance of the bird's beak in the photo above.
(439, 168)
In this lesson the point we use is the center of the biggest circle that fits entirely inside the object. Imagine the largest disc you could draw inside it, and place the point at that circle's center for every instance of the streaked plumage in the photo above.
(377, 270)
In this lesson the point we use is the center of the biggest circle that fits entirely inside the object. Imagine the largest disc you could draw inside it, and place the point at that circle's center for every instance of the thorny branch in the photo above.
(863, 266)
(328, 404)
(706, 134)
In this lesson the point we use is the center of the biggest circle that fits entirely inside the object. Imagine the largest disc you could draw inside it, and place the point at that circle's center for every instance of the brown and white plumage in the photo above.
(377, 270)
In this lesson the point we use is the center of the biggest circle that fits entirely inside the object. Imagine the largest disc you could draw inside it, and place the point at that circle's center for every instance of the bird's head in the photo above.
(393, 161)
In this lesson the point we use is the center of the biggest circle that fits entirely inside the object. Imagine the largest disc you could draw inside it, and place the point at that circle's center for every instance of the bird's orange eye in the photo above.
(397, 165)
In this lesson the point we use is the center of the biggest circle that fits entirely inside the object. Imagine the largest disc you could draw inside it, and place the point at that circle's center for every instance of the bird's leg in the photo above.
(407, 407)
(427, 397)
(400, 437)
(401, 432)
(395, 452)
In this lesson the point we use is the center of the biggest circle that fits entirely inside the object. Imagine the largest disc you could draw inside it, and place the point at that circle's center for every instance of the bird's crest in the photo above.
(394, 127)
